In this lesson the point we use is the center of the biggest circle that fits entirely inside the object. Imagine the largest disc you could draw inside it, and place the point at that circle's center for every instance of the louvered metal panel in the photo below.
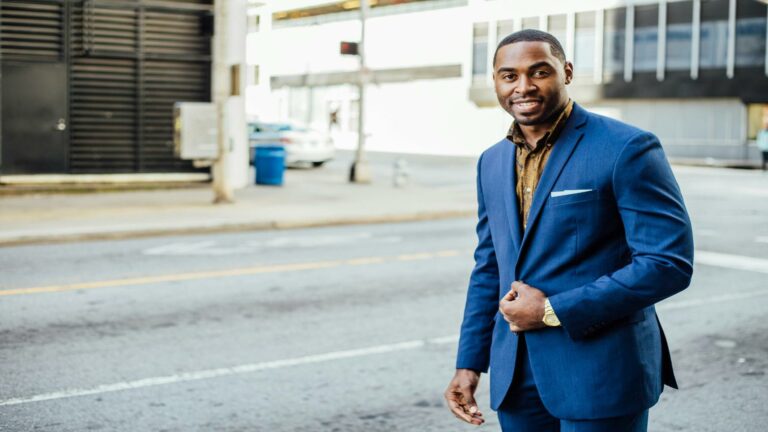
(107, 28)
(165, 83)
(31, 30)
(174, 34)
(131, 61)
(103, 107)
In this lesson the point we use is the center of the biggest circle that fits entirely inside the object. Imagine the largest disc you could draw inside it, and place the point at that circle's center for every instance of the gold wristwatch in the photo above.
(550, 319)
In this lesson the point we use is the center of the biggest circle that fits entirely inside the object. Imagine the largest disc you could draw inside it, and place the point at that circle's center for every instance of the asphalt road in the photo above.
(336, 329)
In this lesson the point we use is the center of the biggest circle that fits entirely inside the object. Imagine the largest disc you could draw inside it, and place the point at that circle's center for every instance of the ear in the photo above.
(568, 69)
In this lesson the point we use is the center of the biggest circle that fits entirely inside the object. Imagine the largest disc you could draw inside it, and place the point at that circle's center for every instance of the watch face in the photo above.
(550, 320)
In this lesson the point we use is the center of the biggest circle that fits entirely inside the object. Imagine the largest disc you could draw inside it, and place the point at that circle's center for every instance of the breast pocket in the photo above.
(564, 197)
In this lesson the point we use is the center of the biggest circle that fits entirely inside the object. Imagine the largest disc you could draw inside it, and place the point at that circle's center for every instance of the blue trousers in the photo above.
(523, 411)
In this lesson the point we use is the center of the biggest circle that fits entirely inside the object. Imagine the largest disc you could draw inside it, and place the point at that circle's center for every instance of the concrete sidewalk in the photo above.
(438, 188)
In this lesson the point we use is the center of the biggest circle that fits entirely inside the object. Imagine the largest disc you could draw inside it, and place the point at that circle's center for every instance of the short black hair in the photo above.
(531, 35)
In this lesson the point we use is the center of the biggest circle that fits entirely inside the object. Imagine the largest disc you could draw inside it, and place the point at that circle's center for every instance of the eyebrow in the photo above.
(533, 66)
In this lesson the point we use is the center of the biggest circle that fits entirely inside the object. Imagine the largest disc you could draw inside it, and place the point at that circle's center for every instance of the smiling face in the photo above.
(530, 82)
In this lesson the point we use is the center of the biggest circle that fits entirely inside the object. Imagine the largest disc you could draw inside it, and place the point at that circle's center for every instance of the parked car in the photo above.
(302, 145)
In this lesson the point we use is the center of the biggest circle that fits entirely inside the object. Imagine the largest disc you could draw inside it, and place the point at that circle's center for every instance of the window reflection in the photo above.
(646, 38)
(531, 23)
(750, 33)
(556, 27)
(714, 34)
(503, 29)
(480, 52)
(679, 36)
(584, 44)
(613, 51)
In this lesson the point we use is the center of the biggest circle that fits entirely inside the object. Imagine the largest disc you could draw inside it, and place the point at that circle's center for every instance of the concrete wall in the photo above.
(701, 128)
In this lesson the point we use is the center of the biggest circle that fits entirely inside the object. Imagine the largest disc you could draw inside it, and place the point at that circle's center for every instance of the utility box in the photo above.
(195, 131)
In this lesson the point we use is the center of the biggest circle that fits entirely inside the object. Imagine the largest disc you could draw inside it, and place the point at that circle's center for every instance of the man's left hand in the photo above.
(523, 307)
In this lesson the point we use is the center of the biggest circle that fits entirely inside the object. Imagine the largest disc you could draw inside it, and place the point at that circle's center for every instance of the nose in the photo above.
(525, 85)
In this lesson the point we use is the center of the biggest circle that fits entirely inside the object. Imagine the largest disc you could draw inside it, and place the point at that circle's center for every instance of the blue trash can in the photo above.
(269, 161)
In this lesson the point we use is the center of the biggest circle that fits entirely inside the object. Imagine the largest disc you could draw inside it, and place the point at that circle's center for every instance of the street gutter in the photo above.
(229, 227)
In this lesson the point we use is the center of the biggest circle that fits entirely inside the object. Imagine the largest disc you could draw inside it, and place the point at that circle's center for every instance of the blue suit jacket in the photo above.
(604, 257)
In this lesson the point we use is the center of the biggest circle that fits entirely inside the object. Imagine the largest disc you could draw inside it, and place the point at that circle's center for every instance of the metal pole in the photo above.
(731, 53)
(696, 39)
(661, 48)
(222, 189)
(360, 171)
(629, 43)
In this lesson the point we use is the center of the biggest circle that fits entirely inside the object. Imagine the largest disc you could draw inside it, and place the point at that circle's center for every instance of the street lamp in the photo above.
(360, 171)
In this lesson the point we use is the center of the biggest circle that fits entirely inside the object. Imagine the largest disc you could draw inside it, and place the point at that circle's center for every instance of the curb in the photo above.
(234, 227)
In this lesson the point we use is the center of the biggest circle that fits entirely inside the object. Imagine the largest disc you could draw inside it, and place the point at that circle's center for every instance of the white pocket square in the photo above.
(568, 192)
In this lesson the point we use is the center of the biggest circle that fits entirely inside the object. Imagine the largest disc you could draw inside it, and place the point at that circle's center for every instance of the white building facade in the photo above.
(693, 72)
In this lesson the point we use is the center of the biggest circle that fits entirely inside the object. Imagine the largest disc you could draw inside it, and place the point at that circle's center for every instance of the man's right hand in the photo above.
(460, 396)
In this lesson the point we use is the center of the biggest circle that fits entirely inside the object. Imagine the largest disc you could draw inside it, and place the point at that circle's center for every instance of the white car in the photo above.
(302, 145)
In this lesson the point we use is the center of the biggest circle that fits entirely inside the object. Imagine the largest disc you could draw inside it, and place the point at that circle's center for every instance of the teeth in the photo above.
(525, 104)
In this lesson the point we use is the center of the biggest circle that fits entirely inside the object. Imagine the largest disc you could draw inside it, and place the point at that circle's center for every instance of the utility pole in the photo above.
(222, 188)
(360, 171)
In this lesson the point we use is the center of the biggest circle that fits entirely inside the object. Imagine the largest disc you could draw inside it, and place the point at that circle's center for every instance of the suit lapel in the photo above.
(561, 152)
(509, 179)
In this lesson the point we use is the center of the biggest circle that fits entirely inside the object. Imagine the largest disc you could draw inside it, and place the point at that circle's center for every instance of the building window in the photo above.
(556, 25)
(480, 52)
(252, 77)
(679, 35)
(646, 38)
(584, 44)
(714, 34)
(750, 33)
(253, 23)
(613, 50)
(757, 118)
(531, 23)
(504, 29)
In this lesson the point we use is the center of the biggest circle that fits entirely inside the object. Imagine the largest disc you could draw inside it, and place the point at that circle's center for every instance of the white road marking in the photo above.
(761, 239)
(734, 262)
(682, 304)
(228, 371)
(730, 261)
(311, 359)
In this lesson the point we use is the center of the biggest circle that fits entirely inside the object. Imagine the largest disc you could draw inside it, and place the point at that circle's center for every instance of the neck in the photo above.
(533, 133)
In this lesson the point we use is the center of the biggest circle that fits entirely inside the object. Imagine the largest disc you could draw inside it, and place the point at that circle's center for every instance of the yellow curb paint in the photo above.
(220, 273)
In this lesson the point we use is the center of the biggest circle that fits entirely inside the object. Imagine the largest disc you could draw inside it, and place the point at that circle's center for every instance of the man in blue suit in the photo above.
(582, 229)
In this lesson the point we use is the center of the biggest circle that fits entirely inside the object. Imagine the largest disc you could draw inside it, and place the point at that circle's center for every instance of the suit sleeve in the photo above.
(482, 296)
(658, 233)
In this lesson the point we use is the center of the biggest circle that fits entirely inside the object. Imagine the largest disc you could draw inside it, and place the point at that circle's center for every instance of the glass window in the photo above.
(480, 51)
(613, 50)
(750, 33)
(756, 116)
(252, 75)
(556, 25)
(584, 44)
(714, 34)
(679, 35)
(646, 38)
(531, 23)
(253, 23)
(504, 29)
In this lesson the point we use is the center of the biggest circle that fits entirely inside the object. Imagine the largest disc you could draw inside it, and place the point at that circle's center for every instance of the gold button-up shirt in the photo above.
(530, 160)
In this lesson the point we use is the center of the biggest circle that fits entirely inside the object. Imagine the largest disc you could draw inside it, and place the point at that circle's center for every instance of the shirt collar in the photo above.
(515, 134)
